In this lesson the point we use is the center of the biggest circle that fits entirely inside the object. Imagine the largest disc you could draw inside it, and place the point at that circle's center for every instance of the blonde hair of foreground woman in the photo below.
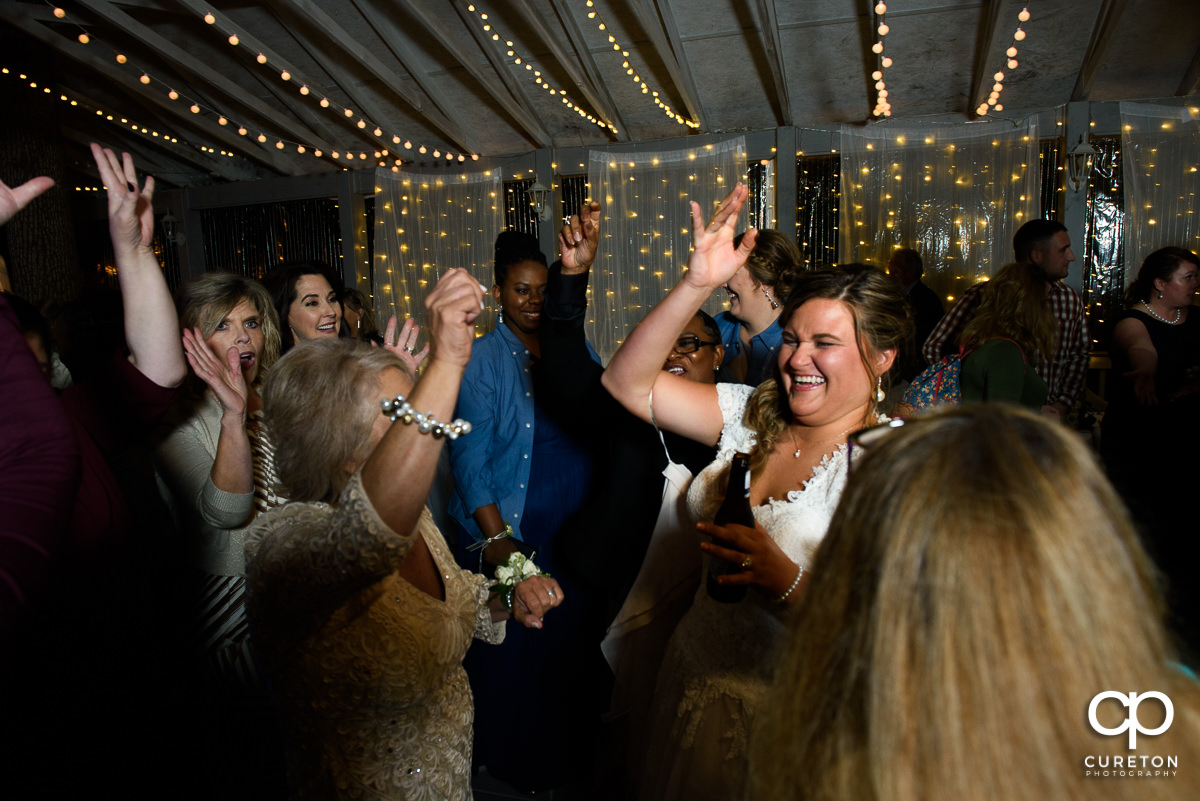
(979, 584)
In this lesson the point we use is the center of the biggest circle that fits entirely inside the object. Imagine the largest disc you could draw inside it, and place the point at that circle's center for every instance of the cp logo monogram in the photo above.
(1131, 721)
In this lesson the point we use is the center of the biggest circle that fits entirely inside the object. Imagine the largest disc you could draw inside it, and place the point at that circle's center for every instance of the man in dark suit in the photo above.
(906, 268)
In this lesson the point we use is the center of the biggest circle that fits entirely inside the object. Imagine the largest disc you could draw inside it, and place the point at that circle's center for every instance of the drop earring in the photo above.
(774, 305)
(500, 317)
(879, 394)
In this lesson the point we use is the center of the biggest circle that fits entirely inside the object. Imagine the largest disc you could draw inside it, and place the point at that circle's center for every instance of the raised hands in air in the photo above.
(130, 209)
(714, 259)
(451, 309)
(405, 344)
(16, 198)
(579, 239)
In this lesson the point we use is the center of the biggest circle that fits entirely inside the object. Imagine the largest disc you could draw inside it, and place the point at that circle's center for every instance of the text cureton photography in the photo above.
(1132, 764)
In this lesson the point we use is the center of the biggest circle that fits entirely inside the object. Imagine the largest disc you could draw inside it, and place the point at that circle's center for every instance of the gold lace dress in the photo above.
(366, 669)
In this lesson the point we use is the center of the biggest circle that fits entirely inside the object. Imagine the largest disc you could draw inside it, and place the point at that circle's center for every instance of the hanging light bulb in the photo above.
(1024, 15)
(233, 39)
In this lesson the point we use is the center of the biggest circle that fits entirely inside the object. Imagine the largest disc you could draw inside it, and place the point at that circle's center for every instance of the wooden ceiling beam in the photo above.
(1103, 34)
(489, 51)
(219, 167)
(659, 23)
(1190, 84)
(578, 64)
(337, 35)
(768, 33)
(521, 114)
(391, 35)
(173, 54)
(265, 155)
(986, 54)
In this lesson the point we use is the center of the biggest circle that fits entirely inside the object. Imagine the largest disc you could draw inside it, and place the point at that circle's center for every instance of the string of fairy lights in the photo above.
(593, 14)
(883, 107)
(993, 99)
(124, 122)
(538, 78)
(234, 36)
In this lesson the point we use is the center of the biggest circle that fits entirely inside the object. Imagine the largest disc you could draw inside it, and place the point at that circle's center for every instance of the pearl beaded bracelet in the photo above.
(399, 409)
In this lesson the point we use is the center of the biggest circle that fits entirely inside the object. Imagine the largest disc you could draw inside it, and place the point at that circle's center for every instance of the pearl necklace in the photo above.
(1157, 316)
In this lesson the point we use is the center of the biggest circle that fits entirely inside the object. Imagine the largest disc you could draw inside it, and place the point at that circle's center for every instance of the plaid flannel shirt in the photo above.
(1065, 375)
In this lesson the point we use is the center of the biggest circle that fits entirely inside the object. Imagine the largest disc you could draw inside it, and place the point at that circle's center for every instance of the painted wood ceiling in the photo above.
(379, 80)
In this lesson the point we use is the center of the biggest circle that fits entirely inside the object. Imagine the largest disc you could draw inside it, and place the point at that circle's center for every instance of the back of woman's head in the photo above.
(319, 403)
(775, 261)
(1159, 265)
(281, 284)
(514, 247)
(206, 301)
(979, 584)
(1013, 305)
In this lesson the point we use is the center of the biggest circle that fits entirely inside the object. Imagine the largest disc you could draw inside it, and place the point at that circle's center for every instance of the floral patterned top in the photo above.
(366, 668)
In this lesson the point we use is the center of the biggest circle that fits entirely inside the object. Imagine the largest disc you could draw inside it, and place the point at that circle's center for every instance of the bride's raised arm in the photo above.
(681, 406)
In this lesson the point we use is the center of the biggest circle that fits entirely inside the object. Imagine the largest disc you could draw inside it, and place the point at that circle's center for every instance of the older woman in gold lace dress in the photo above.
(359, 612)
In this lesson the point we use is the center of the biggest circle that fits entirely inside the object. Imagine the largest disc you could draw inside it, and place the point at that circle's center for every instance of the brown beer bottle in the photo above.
(734, 509)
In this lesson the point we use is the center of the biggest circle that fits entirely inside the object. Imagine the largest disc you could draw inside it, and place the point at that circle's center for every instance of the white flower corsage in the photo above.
(516, 569)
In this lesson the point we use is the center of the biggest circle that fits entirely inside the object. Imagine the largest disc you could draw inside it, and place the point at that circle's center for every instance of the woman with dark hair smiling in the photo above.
(308, 301)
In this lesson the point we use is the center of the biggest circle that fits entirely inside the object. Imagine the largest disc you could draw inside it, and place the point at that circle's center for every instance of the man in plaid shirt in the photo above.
(1045, 244)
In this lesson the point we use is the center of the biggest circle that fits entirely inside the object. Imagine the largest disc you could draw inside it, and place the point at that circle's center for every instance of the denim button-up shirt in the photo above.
(764, 347)
(491, 464)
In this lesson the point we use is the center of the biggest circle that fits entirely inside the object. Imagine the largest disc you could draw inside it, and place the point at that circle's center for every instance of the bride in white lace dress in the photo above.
(357, 608)
(841, 331)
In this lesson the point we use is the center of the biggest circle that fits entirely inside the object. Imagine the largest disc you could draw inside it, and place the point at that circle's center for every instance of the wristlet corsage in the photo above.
(516, 569)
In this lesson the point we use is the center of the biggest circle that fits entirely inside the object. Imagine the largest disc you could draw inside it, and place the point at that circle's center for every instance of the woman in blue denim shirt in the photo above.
(524, 466)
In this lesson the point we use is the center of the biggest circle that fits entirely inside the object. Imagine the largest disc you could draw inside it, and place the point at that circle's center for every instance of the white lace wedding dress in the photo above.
(720, 660)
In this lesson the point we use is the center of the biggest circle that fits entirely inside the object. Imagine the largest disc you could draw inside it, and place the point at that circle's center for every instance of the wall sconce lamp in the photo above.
(541, 197)
(1079, 164)
(171, 232)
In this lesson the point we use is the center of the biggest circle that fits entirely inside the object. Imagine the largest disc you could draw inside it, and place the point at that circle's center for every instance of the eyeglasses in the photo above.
(861, 440)
(690, 343)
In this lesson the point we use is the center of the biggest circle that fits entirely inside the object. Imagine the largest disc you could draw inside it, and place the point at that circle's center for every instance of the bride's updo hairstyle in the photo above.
(882, 320)
(979, 585)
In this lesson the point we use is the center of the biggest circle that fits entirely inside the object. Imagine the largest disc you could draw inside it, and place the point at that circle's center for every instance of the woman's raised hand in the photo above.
(405, 344)
(451, 309)
(225, 378)
(580, 238)
(130, 210)
(714, 259)
(14, 199)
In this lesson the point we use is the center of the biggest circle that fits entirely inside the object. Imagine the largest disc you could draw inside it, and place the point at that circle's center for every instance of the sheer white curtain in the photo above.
(956, 194)
(426, 224)
(1161, 169)
(646, 231)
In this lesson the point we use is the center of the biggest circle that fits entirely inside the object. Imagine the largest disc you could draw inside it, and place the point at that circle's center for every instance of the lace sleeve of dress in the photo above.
(485, 629)
(735, 436)
(306, 560)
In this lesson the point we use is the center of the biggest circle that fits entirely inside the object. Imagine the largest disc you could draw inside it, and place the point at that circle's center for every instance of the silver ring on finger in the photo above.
(551, 593)
(747, 563)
